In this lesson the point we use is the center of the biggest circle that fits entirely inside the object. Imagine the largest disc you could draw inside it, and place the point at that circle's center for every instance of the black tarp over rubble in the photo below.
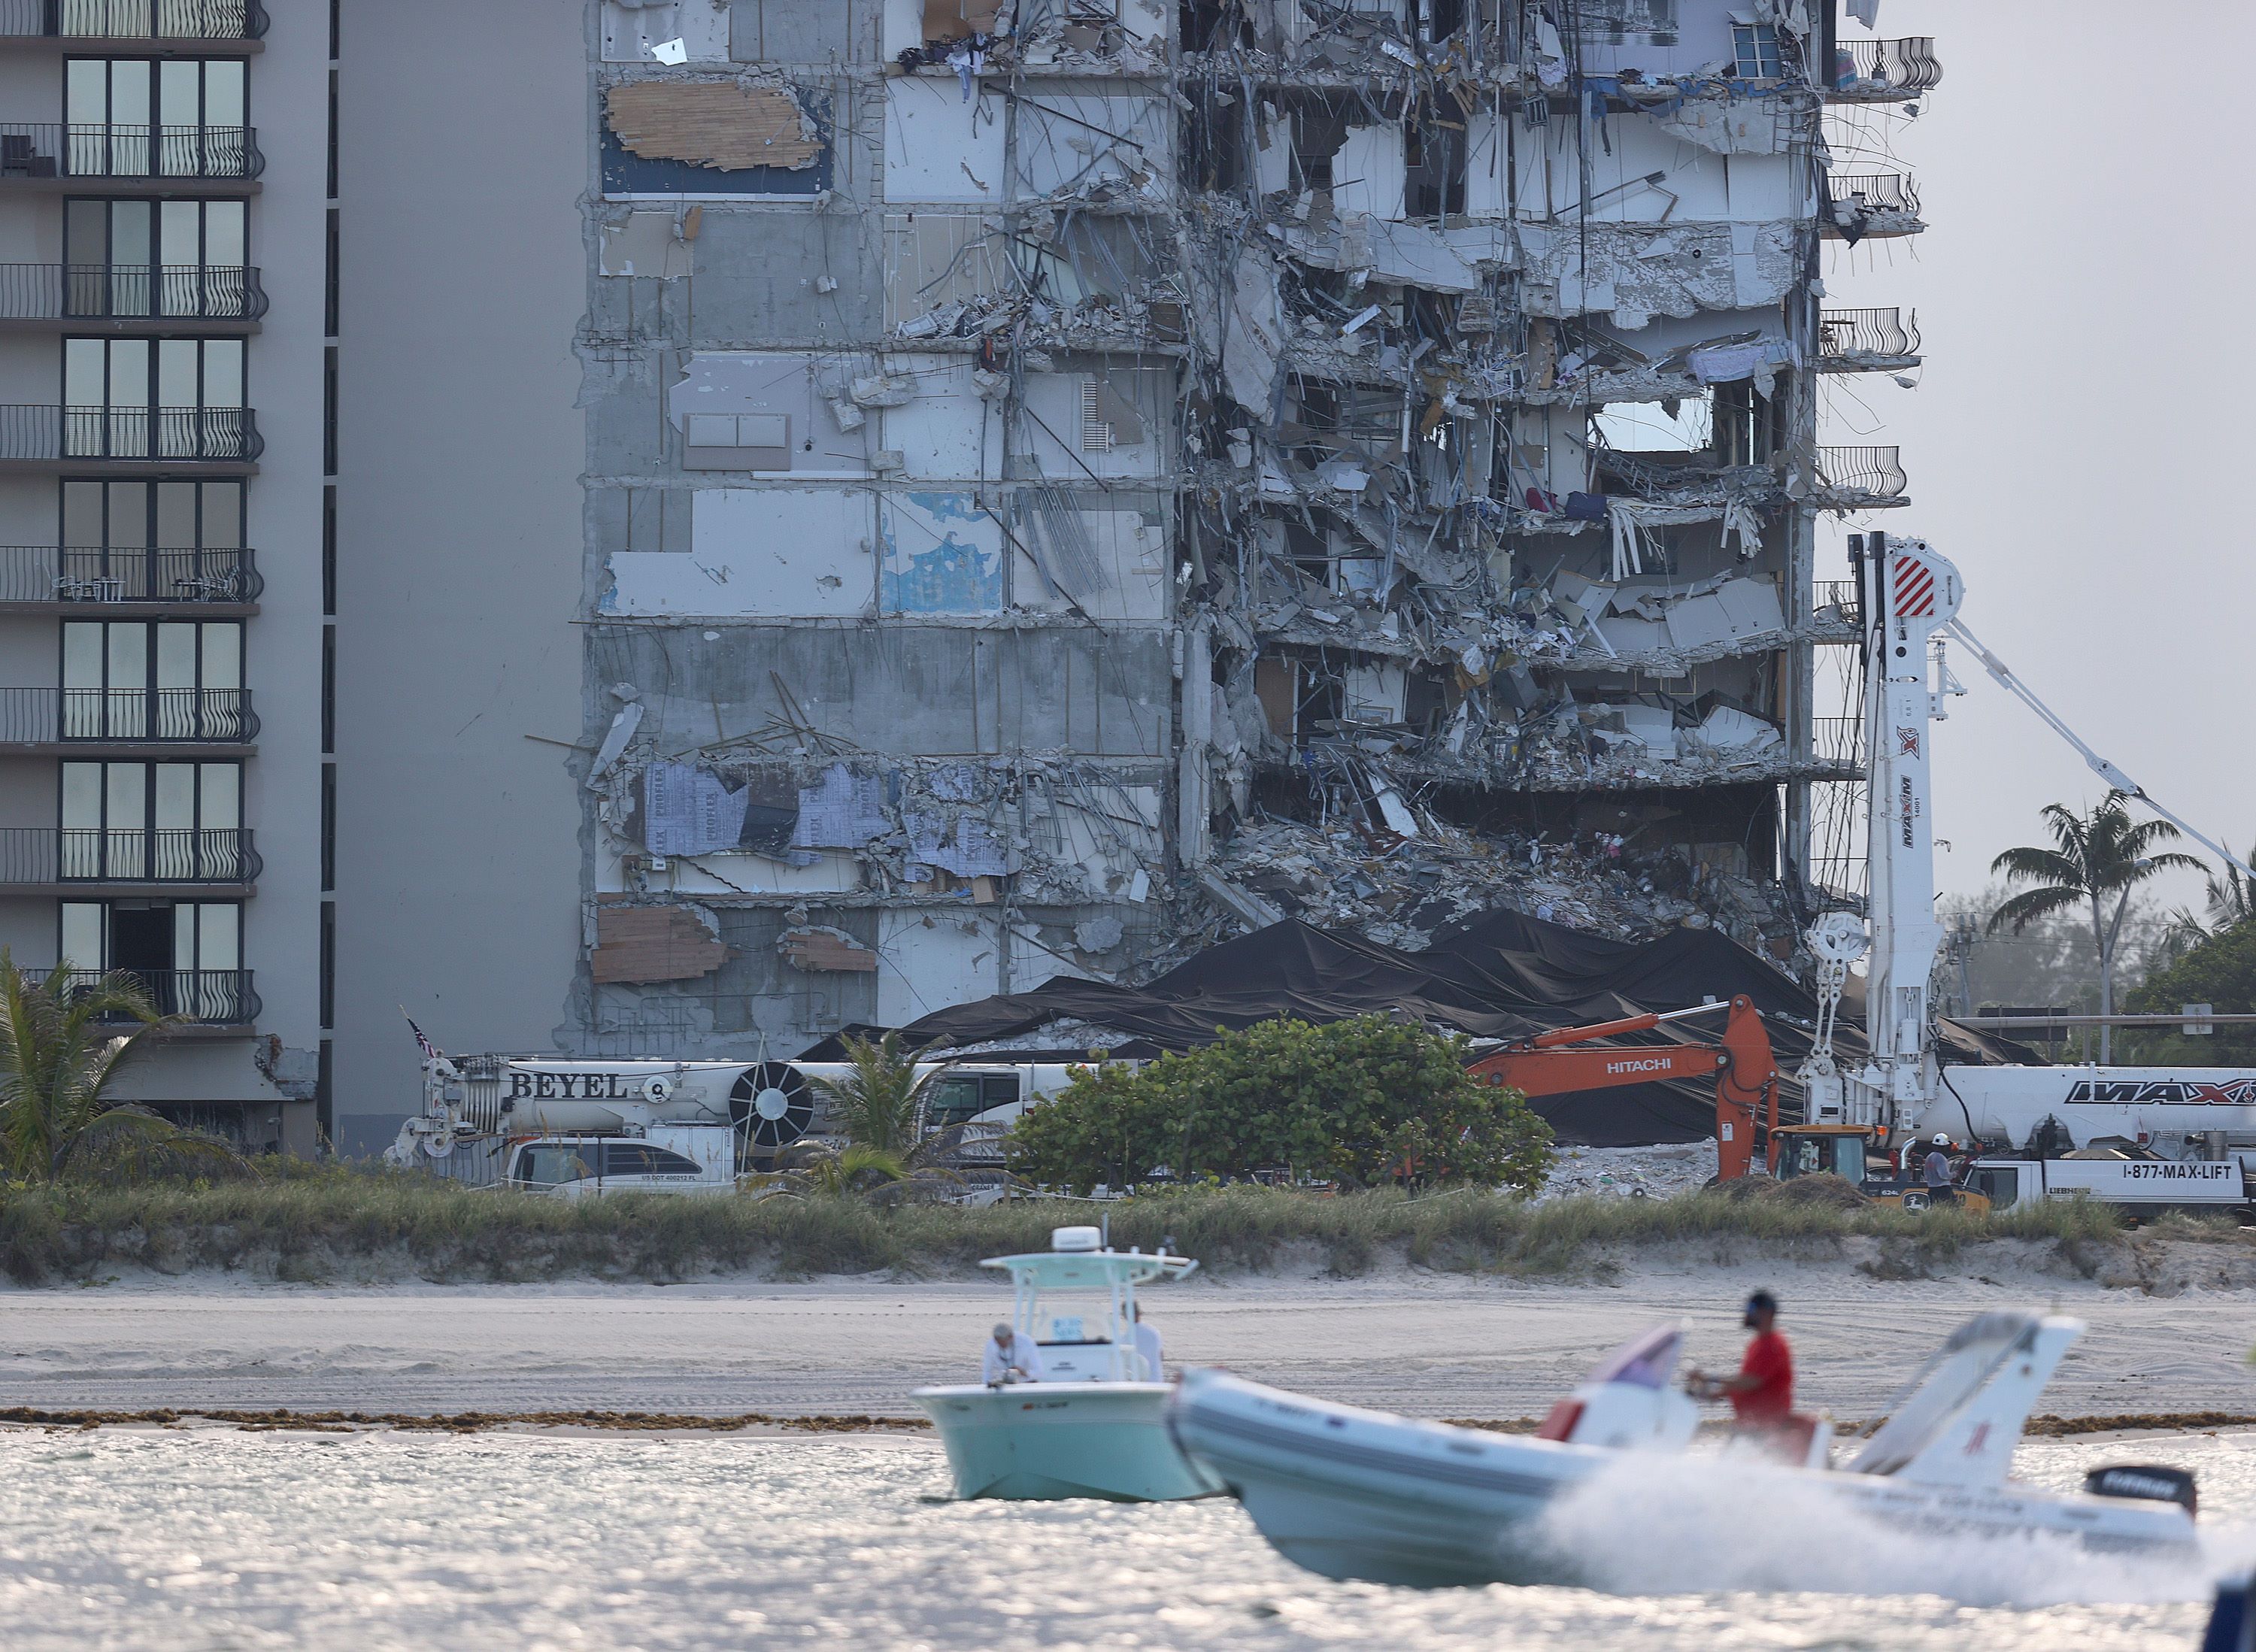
(1503, 975)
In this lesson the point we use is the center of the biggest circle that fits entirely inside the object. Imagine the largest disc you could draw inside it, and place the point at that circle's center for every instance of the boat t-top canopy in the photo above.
(1077, 1262)
(1089, 1270)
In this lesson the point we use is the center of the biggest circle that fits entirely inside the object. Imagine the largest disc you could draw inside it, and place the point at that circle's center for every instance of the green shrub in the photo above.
(1364, 1103)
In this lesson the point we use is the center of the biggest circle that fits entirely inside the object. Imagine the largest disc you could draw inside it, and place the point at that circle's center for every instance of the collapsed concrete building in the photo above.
(1050, 463)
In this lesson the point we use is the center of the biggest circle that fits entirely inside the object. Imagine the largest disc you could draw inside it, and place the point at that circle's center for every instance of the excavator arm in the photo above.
(1746, 1073)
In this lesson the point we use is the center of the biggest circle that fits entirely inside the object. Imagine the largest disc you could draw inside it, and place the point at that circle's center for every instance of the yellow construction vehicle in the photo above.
(1849, 1151)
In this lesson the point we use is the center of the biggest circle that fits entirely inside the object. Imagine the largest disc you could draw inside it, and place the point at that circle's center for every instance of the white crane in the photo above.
(1911, 601)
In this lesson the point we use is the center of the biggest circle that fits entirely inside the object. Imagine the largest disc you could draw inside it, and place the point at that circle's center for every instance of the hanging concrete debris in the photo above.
(1193, 464)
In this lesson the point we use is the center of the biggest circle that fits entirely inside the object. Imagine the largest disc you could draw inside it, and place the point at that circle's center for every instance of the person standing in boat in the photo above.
(1010, 1358)
(1762, 1394)
(1152, 1347)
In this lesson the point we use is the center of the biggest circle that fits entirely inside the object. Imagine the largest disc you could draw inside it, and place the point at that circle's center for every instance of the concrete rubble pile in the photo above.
(1650, 1173)
(1401, 892)
(1334, 460)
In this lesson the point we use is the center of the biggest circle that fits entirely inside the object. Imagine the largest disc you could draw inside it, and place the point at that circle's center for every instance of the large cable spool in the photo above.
(772, 1105)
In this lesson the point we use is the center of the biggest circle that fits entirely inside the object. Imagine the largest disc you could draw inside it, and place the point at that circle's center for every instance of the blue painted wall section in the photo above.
(943, 555)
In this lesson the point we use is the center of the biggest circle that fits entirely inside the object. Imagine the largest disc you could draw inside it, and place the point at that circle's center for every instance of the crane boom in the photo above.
(2008, 679)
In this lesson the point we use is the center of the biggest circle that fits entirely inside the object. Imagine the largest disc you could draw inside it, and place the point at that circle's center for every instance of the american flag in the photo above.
(430, 1051)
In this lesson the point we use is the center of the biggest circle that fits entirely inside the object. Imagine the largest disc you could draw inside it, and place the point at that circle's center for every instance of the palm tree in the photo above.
(2232, 897)
(57, 1058)
(888, 1154)
(881, 1100)
(2096, 859)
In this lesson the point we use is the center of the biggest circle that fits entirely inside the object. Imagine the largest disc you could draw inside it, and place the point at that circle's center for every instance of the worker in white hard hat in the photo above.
(1936, 1172)
(1010, 1358)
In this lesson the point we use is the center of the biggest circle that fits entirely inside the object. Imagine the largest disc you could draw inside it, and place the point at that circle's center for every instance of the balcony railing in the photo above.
(30, 432)
(1874, 191)
(163, 717)
(1867, 333)
(1873, 472)
(1840, 595)
(53, 149)
(1837, 740)
(1908, 65)
(51, 855)
(43, 574)
(135, 19)
(101, 292)
(217, 997)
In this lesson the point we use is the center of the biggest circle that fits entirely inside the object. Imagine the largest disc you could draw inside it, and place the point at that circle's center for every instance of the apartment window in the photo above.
(329, 550)
(157, 541)
(330, 280)
(138, 118)
(1755, 50)
(164, 680)
(167, 822)
(156, 257)
(186, 952)
(1433, 166)
(329, 688)
(332, 135)
(329, 985)
(1619, 22)
(329, 827)
(154, 397)
(330, 411)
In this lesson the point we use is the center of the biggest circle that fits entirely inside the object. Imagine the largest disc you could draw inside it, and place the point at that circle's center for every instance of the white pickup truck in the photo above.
(2153, 1184)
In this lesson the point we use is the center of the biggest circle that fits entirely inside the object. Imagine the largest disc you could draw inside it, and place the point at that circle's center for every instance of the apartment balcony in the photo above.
(1867, 206)
(1867, 341)
(88, 159)
(126, 722)
(129, 584)
(92, 861)
(128, 300)
(1860, 479)
(205, 999)
(122, 442)
(1837, 605)
(1839, 741)
(1879, 71)
(163, 28)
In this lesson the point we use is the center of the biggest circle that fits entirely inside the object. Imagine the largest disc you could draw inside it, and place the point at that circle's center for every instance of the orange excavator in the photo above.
(1745, 1074)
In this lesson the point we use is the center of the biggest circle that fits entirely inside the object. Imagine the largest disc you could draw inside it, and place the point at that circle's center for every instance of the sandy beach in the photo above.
(1428, 1344)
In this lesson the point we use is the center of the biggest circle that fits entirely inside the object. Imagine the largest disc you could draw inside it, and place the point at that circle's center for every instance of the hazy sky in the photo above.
(2081, 428)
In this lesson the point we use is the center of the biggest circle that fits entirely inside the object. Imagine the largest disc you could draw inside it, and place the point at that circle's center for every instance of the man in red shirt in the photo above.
(1762, 1394)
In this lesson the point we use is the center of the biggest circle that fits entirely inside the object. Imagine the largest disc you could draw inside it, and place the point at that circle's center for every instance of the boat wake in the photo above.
(1653, 1524)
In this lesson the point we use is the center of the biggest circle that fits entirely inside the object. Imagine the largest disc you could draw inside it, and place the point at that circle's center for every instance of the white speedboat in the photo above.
(1354, 1493)
(1095, 1424)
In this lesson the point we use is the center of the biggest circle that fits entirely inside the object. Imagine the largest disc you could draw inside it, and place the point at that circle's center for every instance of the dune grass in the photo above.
(338, 1225)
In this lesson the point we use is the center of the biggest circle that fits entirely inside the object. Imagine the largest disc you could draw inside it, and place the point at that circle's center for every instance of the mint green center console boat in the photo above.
(1092, 1424)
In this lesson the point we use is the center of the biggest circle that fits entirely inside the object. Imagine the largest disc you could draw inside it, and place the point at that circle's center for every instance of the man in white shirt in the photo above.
(1010, 1358)
(1149, 1344)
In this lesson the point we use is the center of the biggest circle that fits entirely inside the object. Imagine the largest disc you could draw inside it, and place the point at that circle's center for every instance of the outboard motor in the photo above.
(2145, 1480)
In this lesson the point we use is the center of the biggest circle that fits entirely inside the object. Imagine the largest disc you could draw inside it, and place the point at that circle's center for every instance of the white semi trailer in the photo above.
(574, 1127)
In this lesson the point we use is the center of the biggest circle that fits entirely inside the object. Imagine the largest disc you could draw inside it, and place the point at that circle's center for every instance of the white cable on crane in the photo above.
(2114, 777)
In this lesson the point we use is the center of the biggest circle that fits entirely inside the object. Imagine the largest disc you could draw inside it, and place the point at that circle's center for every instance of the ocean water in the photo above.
(206, 1539)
